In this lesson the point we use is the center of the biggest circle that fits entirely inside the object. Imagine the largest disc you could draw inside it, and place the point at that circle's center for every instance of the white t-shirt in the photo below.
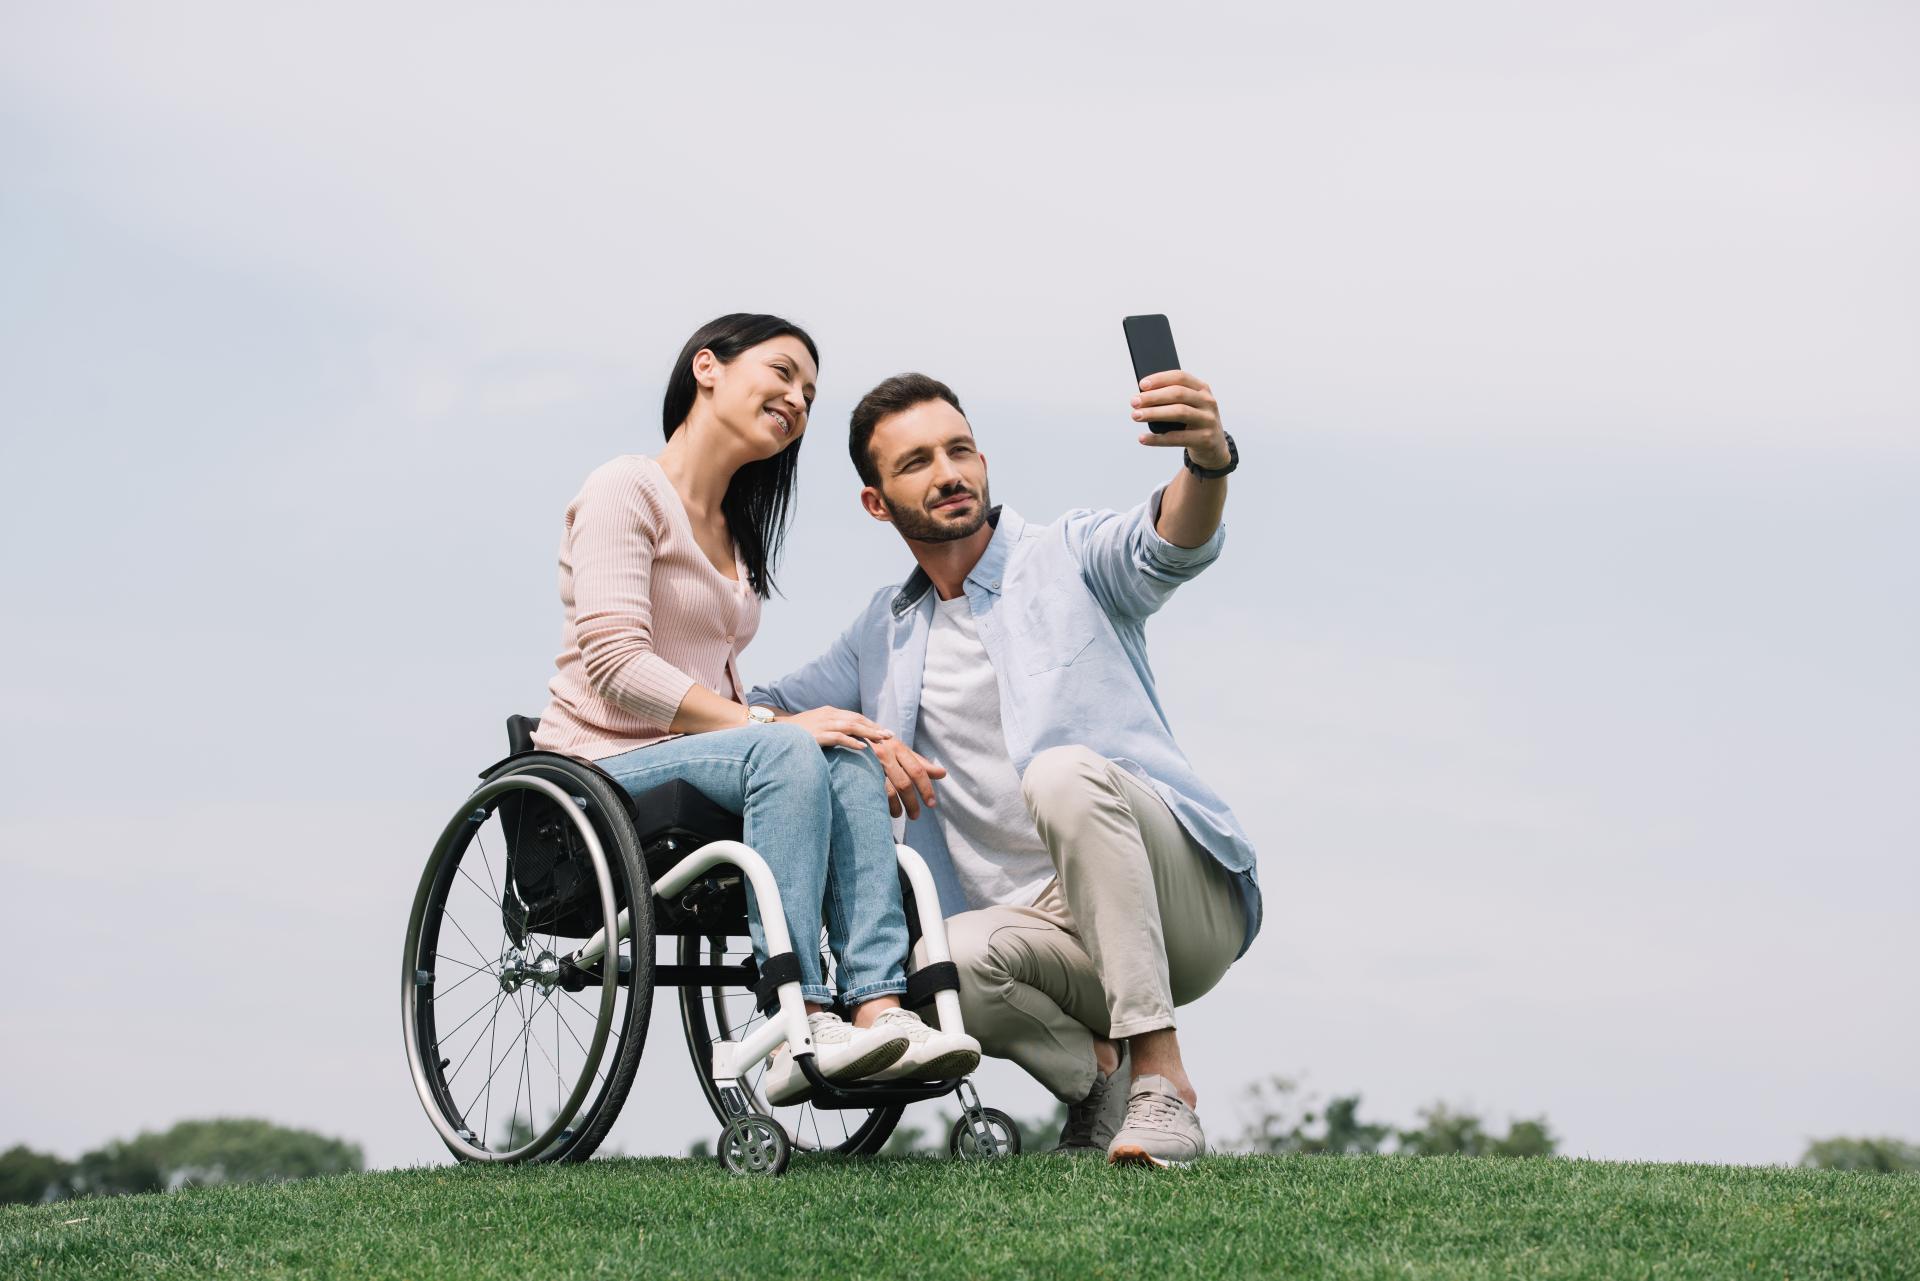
(996, 852)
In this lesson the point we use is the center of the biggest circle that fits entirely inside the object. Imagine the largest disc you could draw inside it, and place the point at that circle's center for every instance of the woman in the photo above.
(663, 566)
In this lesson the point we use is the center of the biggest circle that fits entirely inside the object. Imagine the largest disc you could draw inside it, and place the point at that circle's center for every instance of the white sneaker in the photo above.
(841, 1051)
(932, 1055)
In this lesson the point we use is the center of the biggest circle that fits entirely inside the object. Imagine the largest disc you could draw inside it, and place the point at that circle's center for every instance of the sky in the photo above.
(1561, 662)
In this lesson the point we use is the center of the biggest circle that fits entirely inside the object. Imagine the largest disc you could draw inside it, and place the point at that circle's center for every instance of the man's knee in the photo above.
(1063, 780)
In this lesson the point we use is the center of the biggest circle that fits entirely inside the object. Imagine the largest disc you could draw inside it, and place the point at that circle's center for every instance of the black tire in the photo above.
(596, 1102)
(964, 1144)
(712, 1014)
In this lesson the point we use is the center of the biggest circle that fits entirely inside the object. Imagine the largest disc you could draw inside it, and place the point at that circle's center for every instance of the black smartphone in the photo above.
(1150, 339)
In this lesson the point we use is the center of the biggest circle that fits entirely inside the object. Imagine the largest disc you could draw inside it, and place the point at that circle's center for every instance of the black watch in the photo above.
(1215, 473)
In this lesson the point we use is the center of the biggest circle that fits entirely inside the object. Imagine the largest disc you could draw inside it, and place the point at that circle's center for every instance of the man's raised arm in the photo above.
(1133, 562)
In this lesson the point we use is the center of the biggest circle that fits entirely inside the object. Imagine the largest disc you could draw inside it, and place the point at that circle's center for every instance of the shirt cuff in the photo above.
(1171, 555)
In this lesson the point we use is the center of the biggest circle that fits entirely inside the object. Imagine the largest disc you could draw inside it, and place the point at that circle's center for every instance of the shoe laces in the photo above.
(903, 1021)
(1153, 1109)
(828, 1027)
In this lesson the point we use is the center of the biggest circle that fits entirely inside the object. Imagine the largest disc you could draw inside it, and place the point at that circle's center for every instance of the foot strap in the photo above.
(775, 970)
(941, 976)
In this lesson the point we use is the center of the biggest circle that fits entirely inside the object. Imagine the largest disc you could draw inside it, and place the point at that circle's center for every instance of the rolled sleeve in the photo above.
(1171, 558)
(1125, 562)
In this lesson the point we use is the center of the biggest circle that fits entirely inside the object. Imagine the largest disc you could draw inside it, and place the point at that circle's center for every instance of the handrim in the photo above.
(417, 1017)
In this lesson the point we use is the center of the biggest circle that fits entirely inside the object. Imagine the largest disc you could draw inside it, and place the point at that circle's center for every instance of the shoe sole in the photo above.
(952, 1063)
(1134, 1154)
(805, 1093)
(879, 1058)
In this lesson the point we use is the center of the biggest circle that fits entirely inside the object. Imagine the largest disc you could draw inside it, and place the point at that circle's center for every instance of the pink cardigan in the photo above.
(647, 616)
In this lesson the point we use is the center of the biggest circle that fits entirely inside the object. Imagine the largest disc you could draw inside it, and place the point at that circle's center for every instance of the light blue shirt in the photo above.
(1062, 611)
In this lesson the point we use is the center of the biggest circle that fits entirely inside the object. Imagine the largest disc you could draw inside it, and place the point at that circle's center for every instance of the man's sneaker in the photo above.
(841, 1051)
(1161, 1130)
(932, 1054)
(1093, 1121)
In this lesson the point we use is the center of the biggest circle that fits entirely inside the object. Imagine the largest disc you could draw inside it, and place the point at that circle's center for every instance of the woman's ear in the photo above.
(706, 368)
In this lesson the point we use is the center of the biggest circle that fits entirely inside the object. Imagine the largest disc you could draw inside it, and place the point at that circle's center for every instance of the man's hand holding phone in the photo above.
(1179, 412)
(1191, 416)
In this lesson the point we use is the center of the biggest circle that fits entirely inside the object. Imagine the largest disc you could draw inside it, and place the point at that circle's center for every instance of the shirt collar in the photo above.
(987, 572)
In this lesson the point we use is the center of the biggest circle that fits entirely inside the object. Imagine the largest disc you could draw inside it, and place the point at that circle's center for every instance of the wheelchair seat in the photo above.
(675, 810)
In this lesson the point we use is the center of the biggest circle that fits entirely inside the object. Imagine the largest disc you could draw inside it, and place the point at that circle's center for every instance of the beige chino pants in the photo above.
(1137, 920)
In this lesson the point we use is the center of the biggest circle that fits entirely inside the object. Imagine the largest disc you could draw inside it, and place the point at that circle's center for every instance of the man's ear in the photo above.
(876, 506)
(706, 368)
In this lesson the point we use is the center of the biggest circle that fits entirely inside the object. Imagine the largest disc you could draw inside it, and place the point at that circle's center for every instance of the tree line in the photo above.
(192, 1153)
(1280, 1118)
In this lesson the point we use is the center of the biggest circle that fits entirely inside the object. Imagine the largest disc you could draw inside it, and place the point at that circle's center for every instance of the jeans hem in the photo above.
(886, 987)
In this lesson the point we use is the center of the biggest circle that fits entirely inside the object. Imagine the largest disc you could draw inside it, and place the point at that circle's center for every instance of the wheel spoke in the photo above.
(487, 1089)
(577, 1041)
(486, 859)
(476, 885)
(457, 986)
(534, 1036)
(454, 1031)
(455, 922)
(526, 1072)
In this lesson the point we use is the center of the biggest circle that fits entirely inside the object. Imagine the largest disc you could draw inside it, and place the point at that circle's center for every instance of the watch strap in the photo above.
(1215, 473)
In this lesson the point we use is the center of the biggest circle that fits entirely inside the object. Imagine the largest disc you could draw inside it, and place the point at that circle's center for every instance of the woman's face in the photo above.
(763, 396)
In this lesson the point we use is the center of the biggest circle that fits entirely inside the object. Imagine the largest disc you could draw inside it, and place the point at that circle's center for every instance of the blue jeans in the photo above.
(818, 816)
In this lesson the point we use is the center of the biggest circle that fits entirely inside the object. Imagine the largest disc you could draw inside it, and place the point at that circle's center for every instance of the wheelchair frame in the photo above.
(750, 1141)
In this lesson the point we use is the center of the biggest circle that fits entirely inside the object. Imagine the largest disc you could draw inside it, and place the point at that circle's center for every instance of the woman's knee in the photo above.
(856, 774)
(787, 748)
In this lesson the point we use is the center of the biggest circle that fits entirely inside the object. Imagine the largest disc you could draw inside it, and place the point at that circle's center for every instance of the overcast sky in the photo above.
(1563, 658)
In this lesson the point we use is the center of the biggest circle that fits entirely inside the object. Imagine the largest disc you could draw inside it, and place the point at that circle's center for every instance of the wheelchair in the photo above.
(531, 963)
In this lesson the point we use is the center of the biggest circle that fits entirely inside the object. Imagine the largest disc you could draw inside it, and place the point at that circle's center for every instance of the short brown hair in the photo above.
(896, 395)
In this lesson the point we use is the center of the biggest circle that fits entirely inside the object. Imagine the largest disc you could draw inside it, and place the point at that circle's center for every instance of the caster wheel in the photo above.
(1003, 1137)
(754, 1145)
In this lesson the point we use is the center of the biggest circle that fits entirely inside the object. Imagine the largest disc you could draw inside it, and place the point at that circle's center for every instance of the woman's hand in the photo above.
(836, 727)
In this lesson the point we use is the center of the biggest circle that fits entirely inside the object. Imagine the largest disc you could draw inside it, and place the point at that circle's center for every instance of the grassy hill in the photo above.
(1039, 1216)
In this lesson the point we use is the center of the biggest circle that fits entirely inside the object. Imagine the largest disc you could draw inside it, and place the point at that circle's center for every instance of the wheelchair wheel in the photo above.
(519, 1051)
(754, 1145)
(1001, 1139)
(713, 1014)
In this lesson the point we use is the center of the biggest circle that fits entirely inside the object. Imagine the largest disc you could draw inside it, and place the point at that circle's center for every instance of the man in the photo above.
(1092, 881)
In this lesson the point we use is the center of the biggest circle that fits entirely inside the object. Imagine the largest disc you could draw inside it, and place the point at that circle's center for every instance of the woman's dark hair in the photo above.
(761, 492)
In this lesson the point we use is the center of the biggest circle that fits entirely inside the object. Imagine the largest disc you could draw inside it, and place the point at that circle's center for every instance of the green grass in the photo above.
(1038, 1216)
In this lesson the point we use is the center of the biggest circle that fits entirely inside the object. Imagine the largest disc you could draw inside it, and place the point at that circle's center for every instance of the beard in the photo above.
(922, 526)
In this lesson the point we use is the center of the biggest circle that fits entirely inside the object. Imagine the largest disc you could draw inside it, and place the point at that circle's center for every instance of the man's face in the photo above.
(933, 480)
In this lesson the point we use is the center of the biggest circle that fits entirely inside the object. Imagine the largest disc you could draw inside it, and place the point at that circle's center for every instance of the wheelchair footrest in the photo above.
(829, 1096)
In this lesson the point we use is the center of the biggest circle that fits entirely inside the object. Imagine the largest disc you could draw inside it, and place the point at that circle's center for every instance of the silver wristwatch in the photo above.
(759, 716)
